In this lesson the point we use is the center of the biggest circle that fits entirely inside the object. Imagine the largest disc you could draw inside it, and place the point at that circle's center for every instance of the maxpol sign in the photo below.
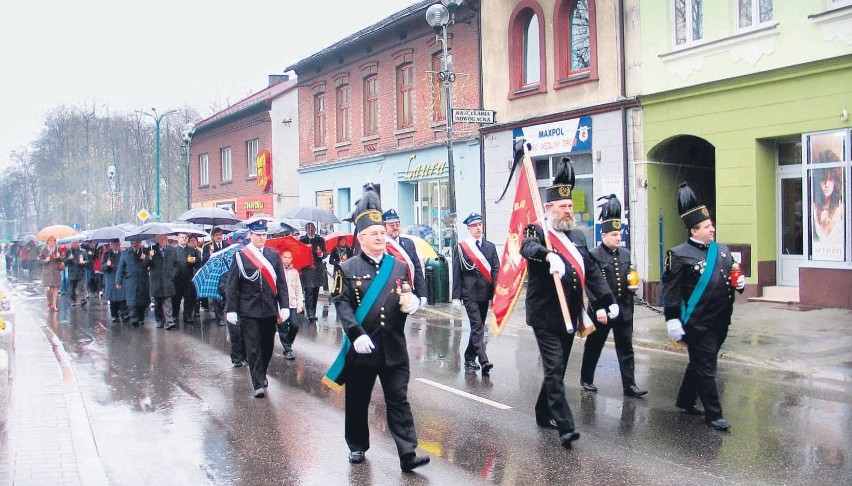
(564, 136)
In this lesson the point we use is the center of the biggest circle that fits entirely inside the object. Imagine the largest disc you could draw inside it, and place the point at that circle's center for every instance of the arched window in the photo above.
(574, 41)
(527, 56)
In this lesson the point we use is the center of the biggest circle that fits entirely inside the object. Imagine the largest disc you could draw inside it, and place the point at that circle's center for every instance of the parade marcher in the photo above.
(403, 248)
(216, 243)
(162, 269)
(132, 278)
(577, 272)
(313, 277)
(475, 266)
(51, 272)
(373, 298)
(289, 328)
(698, 292)
(92, 281)
(114, 295)
(614, 262)
(188, 262)
(76, 263)
(192, 242)
(256, 299)
(340, 254)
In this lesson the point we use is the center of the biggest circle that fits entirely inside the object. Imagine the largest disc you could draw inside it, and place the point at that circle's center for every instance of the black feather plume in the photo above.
(686, 199)
(565, 173)
(611, 209)
(369, 200)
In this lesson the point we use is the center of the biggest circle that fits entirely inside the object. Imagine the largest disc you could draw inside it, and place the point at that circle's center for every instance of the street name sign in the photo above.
(473, 116)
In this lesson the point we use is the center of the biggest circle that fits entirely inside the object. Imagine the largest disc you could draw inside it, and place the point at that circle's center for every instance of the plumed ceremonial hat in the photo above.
(472, 218)
(563, 182)
(390, 216)
(691, 210)
(610, 214)
(368, 211)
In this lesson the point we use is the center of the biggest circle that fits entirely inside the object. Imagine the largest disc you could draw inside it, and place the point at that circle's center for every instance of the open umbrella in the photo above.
(25, 238)
(108, 233)
(149, 231)
(331, 240)
(421, 230)
(212, 215)
(313, 213)
(75, 237)
(206, 280)
(57, 231)
(301, 252)
(424, 249)
(188, 229)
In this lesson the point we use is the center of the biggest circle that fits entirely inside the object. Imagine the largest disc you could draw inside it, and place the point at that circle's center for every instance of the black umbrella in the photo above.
(211, 215)
(149, 231)
(109, 233)
(313, 213)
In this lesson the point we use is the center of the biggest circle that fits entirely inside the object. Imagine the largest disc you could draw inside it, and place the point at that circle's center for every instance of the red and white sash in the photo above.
(395, 249)
(262, 264)
(565, 247)
(474, 254)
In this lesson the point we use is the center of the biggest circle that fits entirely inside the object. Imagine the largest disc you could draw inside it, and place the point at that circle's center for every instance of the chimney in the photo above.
(277, 79)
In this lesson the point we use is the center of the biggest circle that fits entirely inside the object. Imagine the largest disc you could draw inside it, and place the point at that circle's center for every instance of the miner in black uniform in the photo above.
(698, 295)
(614, 262)
(256, 299)
(475, 266)
(570, 259)
(373, 298)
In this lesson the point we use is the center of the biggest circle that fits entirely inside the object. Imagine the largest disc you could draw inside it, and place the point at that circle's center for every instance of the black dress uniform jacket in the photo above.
(314, 277)
(468, 282)
(684, 264)
(253, 298)
(615, 265)
(385, 327)
(419, 283)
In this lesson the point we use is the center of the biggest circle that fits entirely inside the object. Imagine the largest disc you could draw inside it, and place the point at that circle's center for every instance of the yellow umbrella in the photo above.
(57, 231)
(424, 249)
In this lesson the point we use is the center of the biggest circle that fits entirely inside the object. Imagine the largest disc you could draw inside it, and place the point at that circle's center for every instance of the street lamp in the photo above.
(186, 135)
(111, 176)
(157, 118)
(439, 16)
(85, 195)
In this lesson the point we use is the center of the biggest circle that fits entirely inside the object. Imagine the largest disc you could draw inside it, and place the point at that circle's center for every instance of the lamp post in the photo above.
(157, 118)
(85, 195)
(111, 184)
(186, 135)
(439, 16)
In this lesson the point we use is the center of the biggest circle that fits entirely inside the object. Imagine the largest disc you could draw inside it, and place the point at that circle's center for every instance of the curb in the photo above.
(681, 349)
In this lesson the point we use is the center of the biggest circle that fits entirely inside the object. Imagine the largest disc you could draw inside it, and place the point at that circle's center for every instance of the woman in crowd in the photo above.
(51, 272)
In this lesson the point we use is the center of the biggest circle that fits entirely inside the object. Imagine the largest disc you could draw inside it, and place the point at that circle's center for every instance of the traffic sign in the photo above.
(143, 215)
(473, 116)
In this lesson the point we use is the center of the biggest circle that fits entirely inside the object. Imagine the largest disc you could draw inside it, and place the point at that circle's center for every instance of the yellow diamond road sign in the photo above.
(143, 215)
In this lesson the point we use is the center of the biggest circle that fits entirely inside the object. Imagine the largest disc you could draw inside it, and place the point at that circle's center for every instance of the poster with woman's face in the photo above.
(828, 239)
(827, 147)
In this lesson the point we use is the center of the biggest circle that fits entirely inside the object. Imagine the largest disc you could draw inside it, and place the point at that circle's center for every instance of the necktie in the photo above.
(478, 245)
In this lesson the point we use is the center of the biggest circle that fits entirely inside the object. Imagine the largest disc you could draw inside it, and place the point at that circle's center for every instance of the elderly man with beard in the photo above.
(566, 255)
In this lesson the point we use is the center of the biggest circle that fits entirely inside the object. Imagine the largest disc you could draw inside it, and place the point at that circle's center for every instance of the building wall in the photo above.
(285, 152)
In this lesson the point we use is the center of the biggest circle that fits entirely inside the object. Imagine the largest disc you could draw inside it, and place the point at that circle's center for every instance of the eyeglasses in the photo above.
(376, 234)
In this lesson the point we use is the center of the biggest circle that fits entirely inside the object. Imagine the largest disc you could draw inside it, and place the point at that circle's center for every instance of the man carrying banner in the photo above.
(569, 258)
(256, 299)
(698, 293)
(403, 249)
(614, 262)
(475, 266)
(373, 298)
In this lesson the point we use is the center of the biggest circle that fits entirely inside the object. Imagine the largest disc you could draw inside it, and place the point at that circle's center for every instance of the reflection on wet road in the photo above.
(166, 407)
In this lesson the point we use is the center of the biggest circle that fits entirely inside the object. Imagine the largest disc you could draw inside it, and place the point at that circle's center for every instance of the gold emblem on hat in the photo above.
(565, 191)
(616, 224)
(704, 211)
(375, 217)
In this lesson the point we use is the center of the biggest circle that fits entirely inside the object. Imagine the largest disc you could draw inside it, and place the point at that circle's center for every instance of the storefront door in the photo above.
(791, 238)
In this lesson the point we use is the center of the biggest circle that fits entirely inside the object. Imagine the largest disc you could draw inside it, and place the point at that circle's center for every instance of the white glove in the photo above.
(613, 311)
(413, 304)
(284, 313)
(556, 263)
(675, 329)
(457, 305)
(600, 313)
(423, 301)
(741, 282)
(231, 317)
(363, 345)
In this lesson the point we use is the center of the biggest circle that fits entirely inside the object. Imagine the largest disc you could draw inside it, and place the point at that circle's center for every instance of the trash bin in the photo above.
(439, 283)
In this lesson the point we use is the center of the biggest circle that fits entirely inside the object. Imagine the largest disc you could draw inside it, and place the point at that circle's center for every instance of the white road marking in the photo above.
(465, 394)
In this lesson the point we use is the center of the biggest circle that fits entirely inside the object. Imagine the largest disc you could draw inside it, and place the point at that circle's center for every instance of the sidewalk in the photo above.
(815, 343)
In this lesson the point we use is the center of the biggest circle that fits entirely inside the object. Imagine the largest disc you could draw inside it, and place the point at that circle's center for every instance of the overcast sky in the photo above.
(156, 53)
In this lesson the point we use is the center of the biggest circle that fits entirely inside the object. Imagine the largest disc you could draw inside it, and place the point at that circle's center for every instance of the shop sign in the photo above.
(227, 205)
(264, 170)
(420, 171)
(573, 135)
(253, 205)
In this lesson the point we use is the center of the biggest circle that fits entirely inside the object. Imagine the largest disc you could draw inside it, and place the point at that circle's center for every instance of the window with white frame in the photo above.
(688, 21)
(532, 53)
(252, 149)
(227, 166)
(827, 168)
(203, 170)
(753, 13)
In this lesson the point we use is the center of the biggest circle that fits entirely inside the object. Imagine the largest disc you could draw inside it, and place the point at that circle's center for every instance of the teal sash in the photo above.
(687, 310)
(333, 375)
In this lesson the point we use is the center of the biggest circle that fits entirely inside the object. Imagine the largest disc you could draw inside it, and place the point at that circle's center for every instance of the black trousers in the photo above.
(137, 313)
(218, 309)
(555, 348)
(259, 338)
(287, 330)
(238, 345)
(72, 290)
(476, 313)
(185, 293)
(359, 389)
(311, 297)
(699, 380)
(622, 334)
(117, 308)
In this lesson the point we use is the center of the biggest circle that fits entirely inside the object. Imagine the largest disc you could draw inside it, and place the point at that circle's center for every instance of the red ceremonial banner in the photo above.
(513, 267)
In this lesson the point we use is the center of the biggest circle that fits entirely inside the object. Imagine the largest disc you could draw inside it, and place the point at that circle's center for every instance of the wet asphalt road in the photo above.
(166, 407)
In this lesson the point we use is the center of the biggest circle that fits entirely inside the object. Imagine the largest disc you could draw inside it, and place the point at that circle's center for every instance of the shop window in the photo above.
(688, 22)
(575, 41)
(752, 13)
(827, 168)
(527, 59)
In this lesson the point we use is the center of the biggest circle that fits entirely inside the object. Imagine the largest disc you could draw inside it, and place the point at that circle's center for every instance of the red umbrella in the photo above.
(331, 240)
(301, 252)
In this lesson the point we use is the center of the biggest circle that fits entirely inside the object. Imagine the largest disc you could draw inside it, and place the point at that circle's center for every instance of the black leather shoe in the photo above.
(567, 438)
(719, 424)
(471, 365)
(259, 393)
(356, 457)
(486, 367)
(412, 461)
(135, 323)
(289, 356)
(692, 410)
(550, 424)
(160, 325)
(115, 319)
(238, 364)
(171, 325)
(634, 391)
(589, 386)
